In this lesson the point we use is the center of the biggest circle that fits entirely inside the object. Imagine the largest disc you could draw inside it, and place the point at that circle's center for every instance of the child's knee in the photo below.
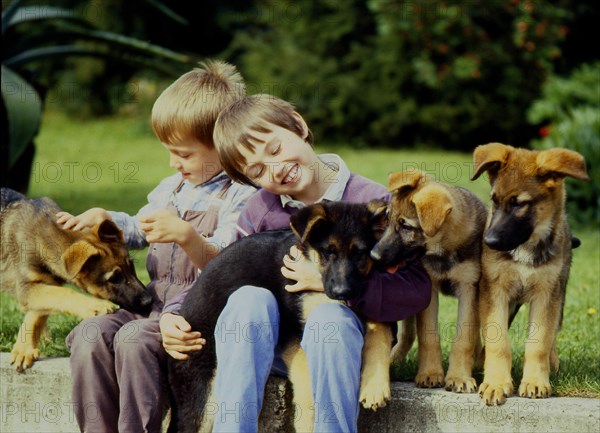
(251, 315)
(88, 335)
(328, 313)
(137, 339)
(332, 326)
(250, 303)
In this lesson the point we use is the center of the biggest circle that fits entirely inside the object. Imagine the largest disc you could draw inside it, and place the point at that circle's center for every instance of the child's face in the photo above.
(195, 161)
(284, 164)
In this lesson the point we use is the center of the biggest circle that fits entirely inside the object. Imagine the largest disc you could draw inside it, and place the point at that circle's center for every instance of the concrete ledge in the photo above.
(40, 401)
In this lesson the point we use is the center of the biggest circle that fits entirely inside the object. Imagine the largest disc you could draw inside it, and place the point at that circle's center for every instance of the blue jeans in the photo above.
(246, 336)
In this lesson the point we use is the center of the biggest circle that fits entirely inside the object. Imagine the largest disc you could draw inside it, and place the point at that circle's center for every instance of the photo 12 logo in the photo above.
(88, 172)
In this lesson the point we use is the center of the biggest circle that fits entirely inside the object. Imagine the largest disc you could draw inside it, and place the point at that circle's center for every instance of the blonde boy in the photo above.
(118, 360)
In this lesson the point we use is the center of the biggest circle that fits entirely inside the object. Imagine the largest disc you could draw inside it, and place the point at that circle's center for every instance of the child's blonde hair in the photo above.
(189, 107)
(236, 124)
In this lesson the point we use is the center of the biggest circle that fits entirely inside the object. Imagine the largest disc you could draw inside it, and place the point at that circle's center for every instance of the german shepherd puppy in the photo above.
(526, 259)
(341, 235)
(443, 224)
(38, 257)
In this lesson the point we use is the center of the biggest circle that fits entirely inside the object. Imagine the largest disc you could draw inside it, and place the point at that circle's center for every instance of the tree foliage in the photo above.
(388, 72)
(568, 115)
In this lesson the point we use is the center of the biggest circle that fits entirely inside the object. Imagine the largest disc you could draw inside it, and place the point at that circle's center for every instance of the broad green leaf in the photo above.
(23, 109)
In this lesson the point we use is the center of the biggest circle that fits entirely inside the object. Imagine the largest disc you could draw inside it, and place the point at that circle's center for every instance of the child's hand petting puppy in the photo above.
(85, 220)
(305, 271)
(164, 226)
(178, 337)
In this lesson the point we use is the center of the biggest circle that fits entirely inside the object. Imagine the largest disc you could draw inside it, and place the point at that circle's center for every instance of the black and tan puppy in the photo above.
(526, 259)
(341, 235)
(443, 224)
(38, 257)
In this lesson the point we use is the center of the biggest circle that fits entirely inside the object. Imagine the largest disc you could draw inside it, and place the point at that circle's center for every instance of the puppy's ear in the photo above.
(404, 181)
(490, 157)
(77, 256)
(433, 204)
(306, 220)
(378, 209)
(107, 231)
(558, 163)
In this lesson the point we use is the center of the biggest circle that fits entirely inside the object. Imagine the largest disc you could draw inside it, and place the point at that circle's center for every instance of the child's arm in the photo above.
(387, 298)
(85, 220)
(163, 226)
(177, 335)
(88, 219)
(393, 297)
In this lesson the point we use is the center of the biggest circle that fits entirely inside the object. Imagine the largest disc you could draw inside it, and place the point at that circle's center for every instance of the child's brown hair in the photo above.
(189, 107)
(249, 114)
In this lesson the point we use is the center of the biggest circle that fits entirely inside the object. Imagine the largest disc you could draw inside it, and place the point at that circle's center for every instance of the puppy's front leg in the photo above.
(497, 380)
(65, 300)
(375, 372)
(298, 374)
(25, 350)
(544, 318)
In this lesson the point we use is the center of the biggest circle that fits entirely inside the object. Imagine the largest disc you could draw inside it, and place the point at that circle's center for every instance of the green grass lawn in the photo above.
(115, 162)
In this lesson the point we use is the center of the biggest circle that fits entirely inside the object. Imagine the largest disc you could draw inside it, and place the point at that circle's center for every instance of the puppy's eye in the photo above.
(359, 250)
(404, 227)
(494, 200)
(399, 225)
(116, 277)
(330, 251)
(522, 204)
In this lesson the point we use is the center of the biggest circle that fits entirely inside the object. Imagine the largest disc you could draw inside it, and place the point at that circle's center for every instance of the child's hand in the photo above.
(165, 226)
(86, 220)
(178, 338)
(302, 270)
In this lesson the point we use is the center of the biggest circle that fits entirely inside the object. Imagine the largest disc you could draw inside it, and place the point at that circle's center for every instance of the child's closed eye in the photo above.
(255, 171)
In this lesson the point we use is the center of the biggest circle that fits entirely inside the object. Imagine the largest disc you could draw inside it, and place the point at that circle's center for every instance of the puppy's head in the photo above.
(417, 210)
(527, 190)
(341, 235)
(99, 264)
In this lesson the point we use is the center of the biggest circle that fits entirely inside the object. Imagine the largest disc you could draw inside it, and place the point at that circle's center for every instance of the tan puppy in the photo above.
(443, 224)
(38, 257)
(526, 259)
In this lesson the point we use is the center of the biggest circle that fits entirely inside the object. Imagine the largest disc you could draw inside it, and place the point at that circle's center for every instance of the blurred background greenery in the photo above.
(444, 74)
(387, 84)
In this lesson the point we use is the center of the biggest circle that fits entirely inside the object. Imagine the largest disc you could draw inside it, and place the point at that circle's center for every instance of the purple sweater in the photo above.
(389, 297)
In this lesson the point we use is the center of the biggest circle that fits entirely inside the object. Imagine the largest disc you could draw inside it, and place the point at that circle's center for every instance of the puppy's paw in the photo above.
(22, 356)
(374, 394)
(461, 384)
(495, 394)
(432, 379)
(97, 307)
(535, 388)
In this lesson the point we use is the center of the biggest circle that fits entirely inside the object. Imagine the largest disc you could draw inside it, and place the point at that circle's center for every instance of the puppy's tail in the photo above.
(7, 196)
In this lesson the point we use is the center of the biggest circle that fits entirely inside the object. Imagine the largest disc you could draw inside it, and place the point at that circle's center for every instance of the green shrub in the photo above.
(388, 72)
(569, 116)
